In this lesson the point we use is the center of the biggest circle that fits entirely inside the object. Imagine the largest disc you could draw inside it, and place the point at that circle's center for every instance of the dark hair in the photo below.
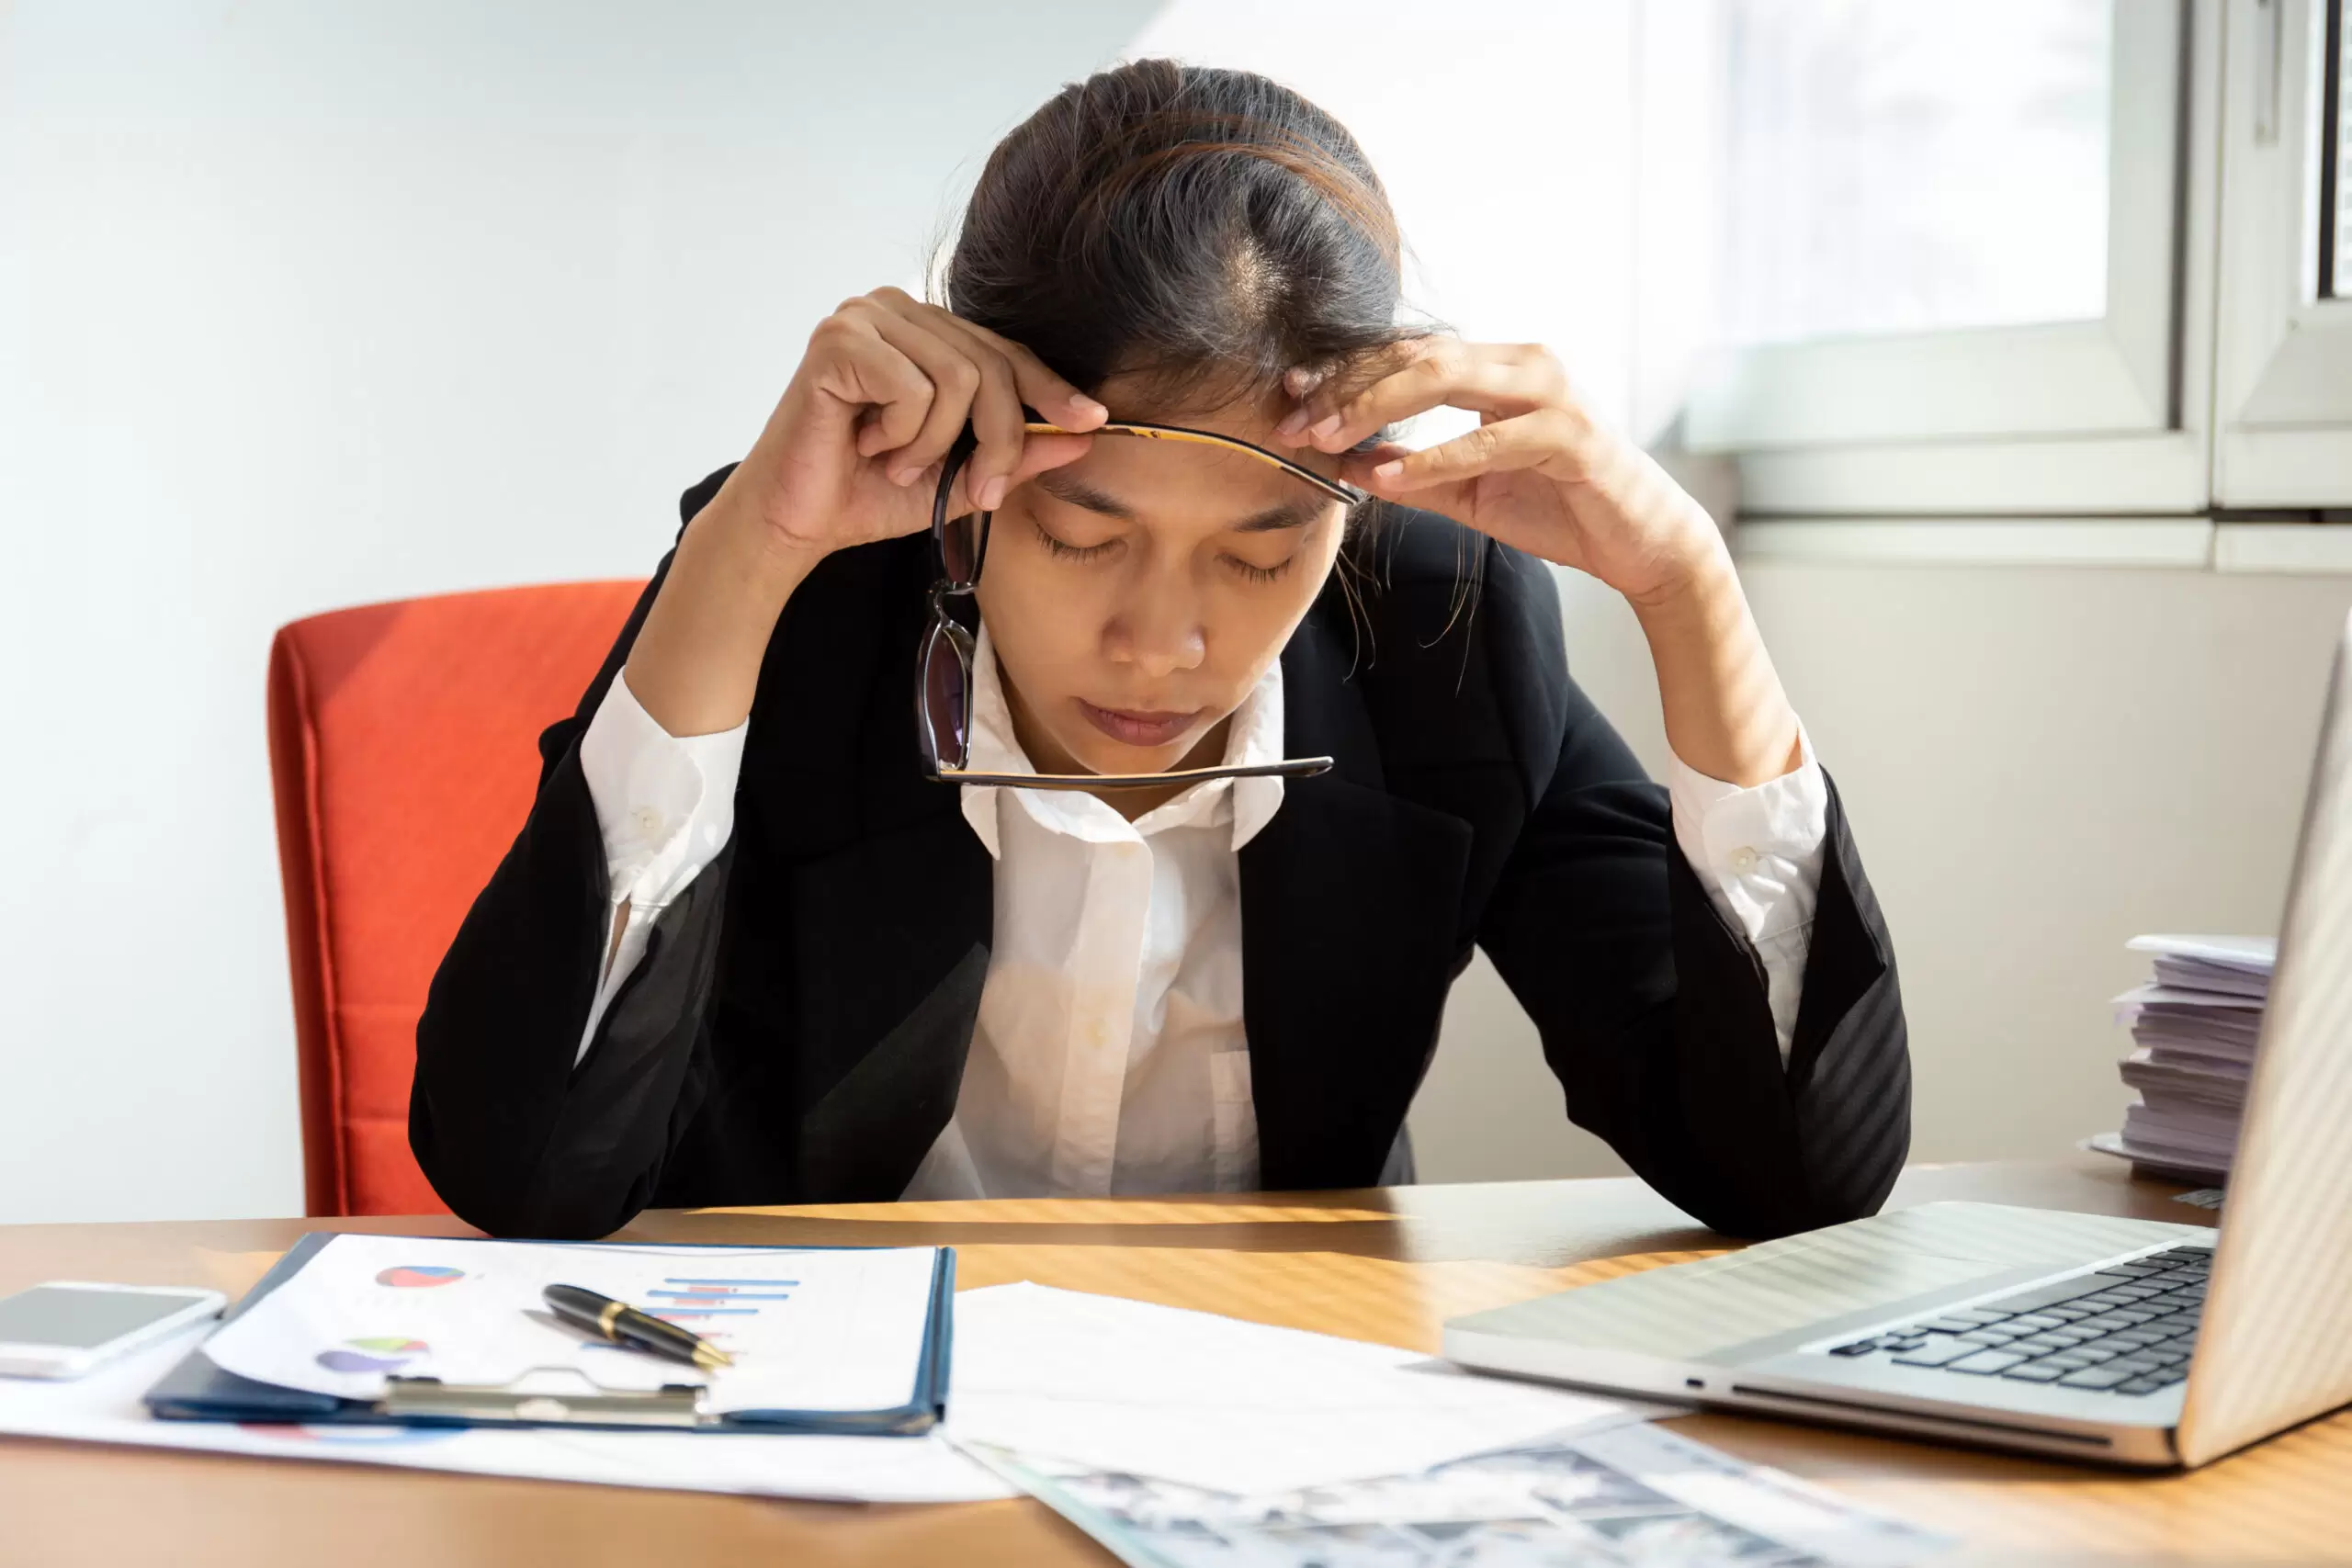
(1204, 229)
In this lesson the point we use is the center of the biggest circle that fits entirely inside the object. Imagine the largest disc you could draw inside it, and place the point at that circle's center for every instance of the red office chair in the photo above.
(403, 746)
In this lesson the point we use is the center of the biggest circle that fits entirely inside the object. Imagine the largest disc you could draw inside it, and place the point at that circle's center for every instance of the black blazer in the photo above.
(795, 1033)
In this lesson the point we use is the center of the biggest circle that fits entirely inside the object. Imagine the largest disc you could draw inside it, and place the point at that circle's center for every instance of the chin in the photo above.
(1100, 756)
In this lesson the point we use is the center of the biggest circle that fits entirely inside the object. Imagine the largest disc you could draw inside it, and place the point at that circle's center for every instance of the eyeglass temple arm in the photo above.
(1290, 767)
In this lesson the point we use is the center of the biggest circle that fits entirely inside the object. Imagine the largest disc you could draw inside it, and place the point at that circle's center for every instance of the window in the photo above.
(1952, 269)
(1949, 230)
(1915, 170)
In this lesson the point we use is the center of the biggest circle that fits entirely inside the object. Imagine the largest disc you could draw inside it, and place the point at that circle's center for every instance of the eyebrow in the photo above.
(1078, 493)
(1295, 515)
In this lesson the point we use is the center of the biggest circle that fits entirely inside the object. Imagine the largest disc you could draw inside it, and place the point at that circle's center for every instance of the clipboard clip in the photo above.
(430, 1399)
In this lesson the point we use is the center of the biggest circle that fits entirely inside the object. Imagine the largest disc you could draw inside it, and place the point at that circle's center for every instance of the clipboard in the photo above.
(198, 1390)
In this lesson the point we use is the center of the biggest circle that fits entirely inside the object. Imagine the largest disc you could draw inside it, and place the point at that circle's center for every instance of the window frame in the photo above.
(2283, 357)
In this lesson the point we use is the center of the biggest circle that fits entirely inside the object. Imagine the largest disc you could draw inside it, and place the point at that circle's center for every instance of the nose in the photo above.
(1158, 631)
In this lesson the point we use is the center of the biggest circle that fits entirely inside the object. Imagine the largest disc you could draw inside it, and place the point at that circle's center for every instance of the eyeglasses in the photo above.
(944, 673)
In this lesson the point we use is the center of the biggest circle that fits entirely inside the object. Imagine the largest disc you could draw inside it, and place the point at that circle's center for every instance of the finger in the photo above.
(863, 372)
(994, 408)
(1354, 465)
(1453, 499)
(1012, 377)
(1054, 397)
(997, 422)
(1038, 453)
(1060, 402)
(1323, 389)
(1496, 379)
(1299, 382)
(1526, 442)
(956, 382)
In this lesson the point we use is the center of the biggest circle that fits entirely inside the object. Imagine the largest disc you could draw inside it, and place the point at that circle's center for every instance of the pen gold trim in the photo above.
(621, 1324)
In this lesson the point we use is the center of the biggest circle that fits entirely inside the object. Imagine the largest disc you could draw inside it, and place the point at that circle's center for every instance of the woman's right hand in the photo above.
(852, 453)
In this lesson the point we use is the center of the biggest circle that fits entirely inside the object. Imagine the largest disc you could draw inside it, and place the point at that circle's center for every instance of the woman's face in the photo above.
(1136, 595)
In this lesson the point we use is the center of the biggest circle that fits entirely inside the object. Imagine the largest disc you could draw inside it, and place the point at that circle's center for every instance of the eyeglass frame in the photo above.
(946, 586)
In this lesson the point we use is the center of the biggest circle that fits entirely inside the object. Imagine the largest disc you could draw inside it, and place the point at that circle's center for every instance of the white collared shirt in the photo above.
(1110, 1054)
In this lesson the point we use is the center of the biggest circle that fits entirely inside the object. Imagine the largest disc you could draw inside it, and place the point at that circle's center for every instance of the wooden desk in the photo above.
(1388, 1266)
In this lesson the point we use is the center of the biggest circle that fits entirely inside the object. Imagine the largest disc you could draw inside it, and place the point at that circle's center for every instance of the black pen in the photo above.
(624, 1324)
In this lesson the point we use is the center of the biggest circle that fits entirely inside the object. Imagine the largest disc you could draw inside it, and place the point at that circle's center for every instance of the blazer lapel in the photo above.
(889, 906)
(1351, 935)
(901, 926)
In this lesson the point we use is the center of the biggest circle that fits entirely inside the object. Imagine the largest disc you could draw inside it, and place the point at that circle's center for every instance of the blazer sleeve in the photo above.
(519, 1132)
(1652, 1007)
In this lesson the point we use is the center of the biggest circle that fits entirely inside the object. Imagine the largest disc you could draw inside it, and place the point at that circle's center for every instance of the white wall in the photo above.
(2040, 763)
(303, 305)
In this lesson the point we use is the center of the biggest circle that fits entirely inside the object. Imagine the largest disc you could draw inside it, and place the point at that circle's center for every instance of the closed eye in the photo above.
(1065, 551)
(1252, 572)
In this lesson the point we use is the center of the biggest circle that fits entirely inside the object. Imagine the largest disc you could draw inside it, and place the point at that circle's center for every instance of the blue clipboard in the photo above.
(197, 1389)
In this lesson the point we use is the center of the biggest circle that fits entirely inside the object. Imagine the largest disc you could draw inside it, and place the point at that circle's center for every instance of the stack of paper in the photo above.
(2193, 1029)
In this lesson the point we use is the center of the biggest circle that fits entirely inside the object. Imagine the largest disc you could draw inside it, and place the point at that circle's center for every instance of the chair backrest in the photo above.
(403, 745)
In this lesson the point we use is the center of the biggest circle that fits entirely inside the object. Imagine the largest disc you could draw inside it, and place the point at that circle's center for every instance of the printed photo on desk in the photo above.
(1624, 1498)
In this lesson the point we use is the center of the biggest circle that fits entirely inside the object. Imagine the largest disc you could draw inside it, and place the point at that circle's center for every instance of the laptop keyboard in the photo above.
(2127, 1329)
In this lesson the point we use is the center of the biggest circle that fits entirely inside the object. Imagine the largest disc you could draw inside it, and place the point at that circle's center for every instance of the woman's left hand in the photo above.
(1542, 475)
(1539, 473)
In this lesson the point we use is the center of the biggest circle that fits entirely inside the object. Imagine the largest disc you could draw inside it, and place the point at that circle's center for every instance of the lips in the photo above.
(1140, 728)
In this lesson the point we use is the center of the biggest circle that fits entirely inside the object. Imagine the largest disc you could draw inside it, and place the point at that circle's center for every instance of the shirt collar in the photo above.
(1255, 736)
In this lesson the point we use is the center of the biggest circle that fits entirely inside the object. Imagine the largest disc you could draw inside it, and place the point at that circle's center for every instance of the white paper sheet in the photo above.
(105, 1408)
(2132, 1002)
(2252, 954)
(820, 1330)
(1219, 1404)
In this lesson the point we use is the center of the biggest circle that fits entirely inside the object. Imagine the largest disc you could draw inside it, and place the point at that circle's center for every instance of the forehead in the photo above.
(1159, 477)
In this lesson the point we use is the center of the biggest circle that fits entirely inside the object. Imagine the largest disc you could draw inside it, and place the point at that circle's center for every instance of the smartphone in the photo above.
(65, 1328)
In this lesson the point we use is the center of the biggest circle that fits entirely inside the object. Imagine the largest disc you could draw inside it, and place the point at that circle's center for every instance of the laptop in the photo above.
(2132, 1342)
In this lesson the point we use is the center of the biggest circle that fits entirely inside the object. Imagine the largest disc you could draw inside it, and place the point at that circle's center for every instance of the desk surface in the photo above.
(1388, 1265)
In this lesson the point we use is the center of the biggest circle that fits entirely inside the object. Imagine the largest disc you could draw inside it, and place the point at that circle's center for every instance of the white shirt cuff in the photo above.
(664, 803)
(1758, 851)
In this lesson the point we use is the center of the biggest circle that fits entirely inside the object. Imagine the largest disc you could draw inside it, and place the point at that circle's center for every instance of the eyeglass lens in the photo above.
(959, 549)
(946, 693)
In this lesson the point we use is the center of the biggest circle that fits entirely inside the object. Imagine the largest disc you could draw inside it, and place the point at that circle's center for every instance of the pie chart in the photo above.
(418, 1275)
(384, 1354)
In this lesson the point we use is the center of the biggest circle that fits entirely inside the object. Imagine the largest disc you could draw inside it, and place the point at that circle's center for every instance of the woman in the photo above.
(757, 945)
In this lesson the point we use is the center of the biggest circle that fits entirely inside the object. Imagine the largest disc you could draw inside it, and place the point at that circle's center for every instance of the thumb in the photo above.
(1450, 499)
